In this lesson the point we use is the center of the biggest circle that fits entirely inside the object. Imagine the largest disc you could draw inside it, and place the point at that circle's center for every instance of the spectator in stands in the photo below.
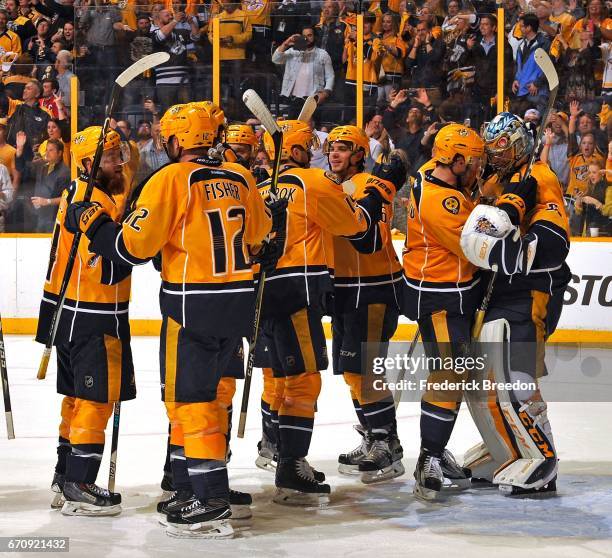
(9, 41)
(39, 48)
(380, 142)
(7, 192)
(258, 49)
(51, 98)
(483, 57)
(308, 70)
(66, 35)
(59, 130)
(395, 50)
(63, 69)
(172, 78)
(425, 61)
(59, 12)
(52, 176)
(554, 152)
(235, 32)
(152, 152)
(449, 23)
(7, 155)
(512, 11)
(560, 15)
(373, 52)
(20, 21)
(543, 11)
(595, 22)
(29, 117)
(407, 131)
(530, 86)
(580, 123)
(592, 211)
(579, 161)
(330, 33)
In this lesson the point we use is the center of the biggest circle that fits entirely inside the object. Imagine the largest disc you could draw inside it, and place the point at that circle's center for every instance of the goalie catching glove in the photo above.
(86, 217)
(489, 240)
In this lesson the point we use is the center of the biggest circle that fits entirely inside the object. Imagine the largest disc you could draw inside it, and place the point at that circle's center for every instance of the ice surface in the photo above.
(361, 521)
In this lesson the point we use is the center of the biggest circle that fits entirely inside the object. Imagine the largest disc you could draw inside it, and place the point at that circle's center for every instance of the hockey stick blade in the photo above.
(259, 109)
(310, 105)
(146, 63)
(545, 64)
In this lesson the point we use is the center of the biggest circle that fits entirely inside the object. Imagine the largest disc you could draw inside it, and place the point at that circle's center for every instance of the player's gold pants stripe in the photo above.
(279, 392)
(302, 331)
(114, 352)
(539, 309)
(172, 333)
(300, 395)
(89, 421)
(268, 386)
(225, 393)
(67, 412)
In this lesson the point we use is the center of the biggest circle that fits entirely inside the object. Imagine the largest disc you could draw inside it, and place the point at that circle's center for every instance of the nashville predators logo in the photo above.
(79, 138)
(451, 204)
(463, 132)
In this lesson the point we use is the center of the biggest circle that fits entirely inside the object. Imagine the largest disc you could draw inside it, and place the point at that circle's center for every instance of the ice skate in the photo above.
(296, 485)
(455, 476)
(348, 463)
(240, 502)
(202, 520)
(383, 461)
(167, 485)
(267, 454)
(179, 499)
(57, 486)
(90, 500)
(428, 477)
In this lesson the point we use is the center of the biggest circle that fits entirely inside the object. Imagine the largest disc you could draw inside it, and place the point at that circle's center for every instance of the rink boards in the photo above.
(586, 313)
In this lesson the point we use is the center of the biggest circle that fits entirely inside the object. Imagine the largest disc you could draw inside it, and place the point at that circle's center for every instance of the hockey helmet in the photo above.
(508, 143)
(295, 133)
(351, 135)
(85, 142)
(193, 124)
(457, 139)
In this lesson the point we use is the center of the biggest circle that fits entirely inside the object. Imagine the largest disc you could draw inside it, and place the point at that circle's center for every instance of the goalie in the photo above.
(525, 239)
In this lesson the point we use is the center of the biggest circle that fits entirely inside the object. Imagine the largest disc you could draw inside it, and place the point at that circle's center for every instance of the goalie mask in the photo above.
(508, 143)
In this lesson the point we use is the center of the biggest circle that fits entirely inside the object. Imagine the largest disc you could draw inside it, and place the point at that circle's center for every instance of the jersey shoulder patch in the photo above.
(451, 204)
(332, 176)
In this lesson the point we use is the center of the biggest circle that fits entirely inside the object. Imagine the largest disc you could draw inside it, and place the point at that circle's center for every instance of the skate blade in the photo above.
(89, 510)
(425, 494)
(547, 491)
(241, 512)
(166, 495)
(162, 519)
(219, 529)
(392, 471)
(266, 464)
(348, 470)
(456, 484)
(58, 501)
(289, 497)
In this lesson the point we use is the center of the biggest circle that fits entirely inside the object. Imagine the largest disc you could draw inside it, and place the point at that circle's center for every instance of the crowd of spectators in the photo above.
(426, 62)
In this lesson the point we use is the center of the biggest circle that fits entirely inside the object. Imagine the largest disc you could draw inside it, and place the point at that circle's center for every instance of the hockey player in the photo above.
(525, 238)
(94, 360)
(441, 286)
(205, 216)
(366, 309)
(296, 294)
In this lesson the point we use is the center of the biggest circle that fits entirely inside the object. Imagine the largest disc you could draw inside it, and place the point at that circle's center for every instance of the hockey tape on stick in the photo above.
(8, 411)
(112, 471)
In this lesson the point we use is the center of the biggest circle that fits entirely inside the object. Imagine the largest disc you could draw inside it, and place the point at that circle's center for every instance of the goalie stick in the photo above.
(254, 103)
(548, 69)
(8, 411)
(125, 77)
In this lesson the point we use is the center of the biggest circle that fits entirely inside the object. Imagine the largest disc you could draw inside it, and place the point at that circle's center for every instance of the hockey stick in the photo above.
(8, 411)
(125, 77)
(112, 470)
(254, 103)
(397, 395)
(548, 69)
(310, 105)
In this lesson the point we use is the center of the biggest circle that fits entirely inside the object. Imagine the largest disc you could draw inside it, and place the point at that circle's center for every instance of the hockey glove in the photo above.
(372, 204)
(268, 256)
(395, 170)
(85, 217)
(518, 199)
(278, 209)
(260, 174)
